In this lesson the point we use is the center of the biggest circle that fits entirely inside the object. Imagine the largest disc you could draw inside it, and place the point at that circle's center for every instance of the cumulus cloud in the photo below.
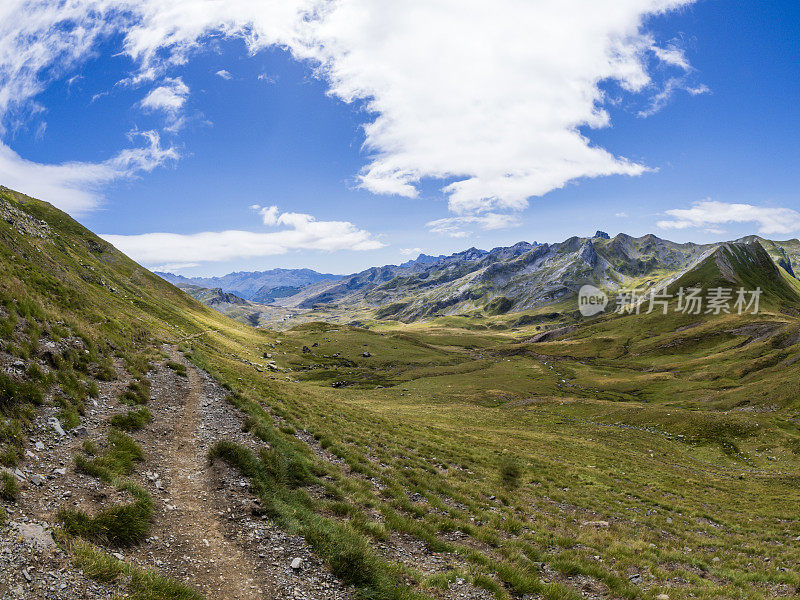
(224, 74)
(506, 123)
(299, 232)
(709, 214)
(457, 226)
(494, 97)
(170, 96)
(75, 187)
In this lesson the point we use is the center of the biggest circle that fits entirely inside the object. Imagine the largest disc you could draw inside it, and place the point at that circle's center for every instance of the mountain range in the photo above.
(258, 286)
(523, 277)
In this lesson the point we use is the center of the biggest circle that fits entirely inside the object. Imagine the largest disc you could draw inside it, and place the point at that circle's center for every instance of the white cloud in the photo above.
(672, 55)
(224, 74)
(454, 226)
(269, 214)
(622, 215)
(709, 214)
(170, 96)
(75, 187)
(671, 87)
(411, 251)
(301, 232)
(504, 123)
(490, 95)
(172, 267)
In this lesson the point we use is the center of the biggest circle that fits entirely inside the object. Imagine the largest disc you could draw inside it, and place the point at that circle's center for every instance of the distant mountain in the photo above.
(235, 307)
(530, 275)
(212, 297)
(252, 284)
(523, 277)
(268, 295)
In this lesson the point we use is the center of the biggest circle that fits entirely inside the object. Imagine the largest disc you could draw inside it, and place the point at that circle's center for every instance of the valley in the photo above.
(409, 436)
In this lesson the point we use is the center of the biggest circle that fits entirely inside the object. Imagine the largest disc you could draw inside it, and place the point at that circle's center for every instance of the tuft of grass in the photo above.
(179, 368)
(141, 584)
(13, 392)
(133, 420)
(9, 489)
(115, 461)
(138, 392)
(510, 472)
(122, 525)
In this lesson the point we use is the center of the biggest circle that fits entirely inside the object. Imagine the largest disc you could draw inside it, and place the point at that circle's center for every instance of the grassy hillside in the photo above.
(636, 456)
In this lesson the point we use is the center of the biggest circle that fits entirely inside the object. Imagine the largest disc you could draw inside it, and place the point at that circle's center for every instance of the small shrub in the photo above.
(13, 393)
(105, 372)
(138, 392)
(69, 417)
(9, 457)
(35, 373)
(9, 489)
(510, 472)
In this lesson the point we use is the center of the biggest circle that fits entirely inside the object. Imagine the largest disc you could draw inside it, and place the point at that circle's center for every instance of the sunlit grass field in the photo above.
(638, 471)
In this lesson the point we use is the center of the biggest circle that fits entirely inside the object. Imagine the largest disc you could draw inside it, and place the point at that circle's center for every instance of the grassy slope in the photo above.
(483, 445)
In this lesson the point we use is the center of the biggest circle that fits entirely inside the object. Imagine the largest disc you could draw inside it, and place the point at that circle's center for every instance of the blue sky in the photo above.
(258, 126)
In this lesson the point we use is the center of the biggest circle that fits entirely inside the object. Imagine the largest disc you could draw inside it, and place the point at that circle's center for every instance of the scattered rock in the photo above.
(297, 564)
(34, 536)
(56, 425)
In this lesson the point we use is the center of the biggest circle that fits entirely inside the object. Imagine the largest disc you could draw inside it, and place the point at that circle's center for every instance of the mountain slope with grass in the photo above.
(237, 308)
(172, 452)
